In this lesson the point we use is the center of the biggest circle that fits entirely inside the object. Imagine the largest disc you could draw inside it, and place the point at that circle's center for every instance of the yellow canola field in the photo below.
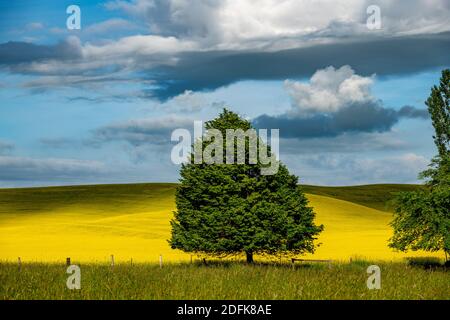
(140, 232)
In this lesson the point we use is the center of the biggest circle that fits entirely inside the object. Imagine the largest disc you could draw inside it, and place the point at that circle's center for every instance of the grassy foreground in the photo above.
(224, 281)
(90, 223)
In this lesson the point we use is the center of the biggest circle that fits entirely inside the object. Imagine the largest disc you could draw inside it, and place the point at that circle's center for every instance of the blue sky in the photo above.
(97, 105)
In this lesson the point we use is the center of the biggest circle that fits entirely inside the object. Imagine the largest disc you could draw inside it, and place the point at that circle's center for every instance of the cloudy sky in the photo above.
(98, 104)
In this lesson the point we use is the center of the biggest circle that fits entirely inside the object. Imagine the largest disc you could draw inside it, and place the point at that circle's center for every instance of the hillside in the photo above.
(115, 197)
(89, 223)
(376, 196)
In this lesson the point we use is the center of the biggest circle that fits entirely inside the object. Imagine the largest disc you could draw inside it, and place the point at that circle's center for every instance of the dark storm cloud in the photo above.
(411, 112)
(209, 70)
(369, 117)
(12, 53)
(199, 71)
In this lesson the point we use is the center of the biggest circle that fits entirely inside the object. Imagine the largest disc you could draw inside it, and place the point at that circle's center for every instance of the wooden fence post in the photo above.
(160, 261)
(68, 261)
(19, 262)
(112, 260)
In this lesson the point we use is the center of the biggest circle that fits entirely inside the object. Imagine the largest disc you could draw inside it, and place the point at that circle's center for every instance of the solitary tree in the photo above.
(228, 209)
(422, 218)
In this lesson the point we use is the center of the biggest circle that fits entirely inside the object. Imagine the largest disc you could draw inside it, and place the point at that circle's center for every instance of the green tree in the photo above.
(228, 209)
(439, 109)
(422, 218)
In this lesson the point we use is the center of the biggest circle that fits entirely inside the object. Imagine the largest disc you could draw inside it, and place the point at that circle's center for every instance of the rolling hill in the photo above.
(89, 223)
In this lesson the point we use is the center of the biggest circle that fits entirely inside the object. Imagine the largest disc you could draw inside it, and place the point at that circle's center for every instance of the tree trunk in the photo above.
(249, 257)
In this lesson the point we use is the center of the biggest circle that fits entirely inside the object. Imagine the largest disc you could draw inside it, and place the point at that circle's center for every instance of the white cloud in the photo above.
(189, 101)
(235, 24)
(137, 46)
(414, 16)
(230, 23)
(329, 90)
(178, 28)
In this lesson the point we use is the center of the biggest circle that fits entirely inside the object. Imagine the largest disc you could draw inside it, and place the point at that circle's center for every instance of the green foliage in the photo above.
(223, 281)
(439, 108)
(422, 219)
(227, 209)
(438, 172)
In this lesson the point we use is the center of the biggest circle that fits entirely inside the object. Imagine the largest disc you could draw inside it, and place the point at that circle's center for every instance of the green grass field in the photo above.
(224, 281)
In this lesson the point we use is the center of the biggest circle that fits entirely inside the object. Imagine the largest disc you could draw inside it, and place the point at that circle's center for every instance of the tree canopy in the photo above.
(229, 209)
(422, 218)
